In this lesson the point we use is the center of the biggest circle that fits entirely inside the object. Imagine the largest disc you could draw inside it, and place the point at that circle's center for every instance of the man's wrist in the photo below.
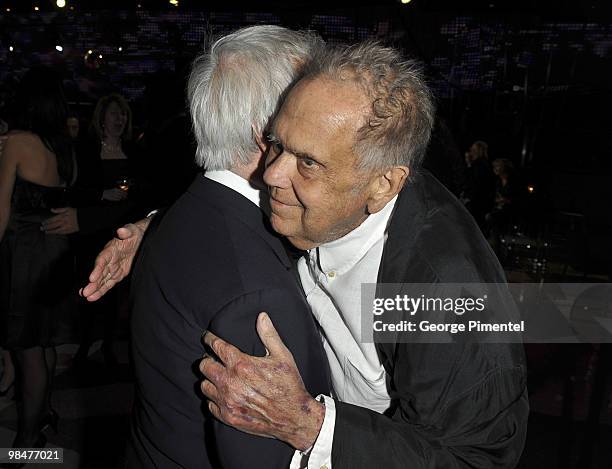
(312, 419)
(144, 223)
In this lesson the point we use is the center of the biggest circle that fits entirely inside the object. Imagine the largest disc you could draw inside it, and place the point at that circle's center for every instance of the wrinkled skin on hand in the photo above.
(115, 261)
(262, 396)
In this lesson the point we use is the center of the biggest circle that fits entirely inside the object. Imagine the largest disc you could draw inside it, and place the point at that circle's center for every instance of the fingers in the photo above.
(98, 270)
(59, 210)
(53, 223)
(214, 409)
(105, 262)
(269, 337)
(96, 295)
(101, 280)
(226, 352)
(209, 390)
(212, 369)
(95, 291)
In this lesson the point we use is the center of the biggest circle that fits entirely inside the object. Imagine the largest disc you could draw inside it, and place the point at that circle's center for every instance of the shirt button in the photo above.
(331, 274)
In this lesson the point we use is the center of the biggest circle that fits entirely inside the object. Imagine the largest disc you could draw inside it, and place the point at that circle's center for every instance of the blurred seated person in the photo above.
(506, 190)
(106, 195)
(479, 192)
(506, 202)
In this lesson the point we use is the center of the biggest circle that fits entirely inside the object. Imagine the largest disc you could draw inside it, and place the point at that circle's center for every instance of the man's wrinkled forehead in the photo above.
(333, 104)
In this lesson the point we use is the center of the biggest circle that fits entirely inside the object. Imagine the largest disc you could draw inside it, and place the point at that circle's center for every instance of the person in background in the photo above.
(8, 369)
(506, 202)
(479, 191)
(36, 287)
(74, 127)
(104, 195)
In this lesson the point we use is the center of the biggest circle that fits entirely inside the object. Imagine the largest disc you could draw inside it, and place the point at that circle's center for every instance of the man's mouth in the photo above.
(275, 203)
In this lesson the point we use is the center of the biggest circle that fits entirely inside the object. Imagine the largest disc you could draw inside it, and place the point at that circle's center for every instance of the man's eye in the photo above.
(276, 148)
(309, 163)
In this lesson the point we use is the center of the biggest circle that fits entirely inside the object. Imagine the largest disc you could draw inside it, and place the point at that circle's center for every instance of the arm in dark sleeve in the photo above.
(483, 426)
(293, 321)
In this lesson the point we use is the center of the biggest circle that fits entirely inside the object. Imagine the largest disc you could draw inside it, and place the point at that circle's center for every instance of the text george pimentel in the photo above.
(458, 306)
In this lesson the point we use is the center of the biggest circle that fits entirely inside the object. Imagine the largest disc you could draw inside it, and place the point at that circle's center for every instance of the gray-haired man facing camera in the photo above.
(213, 263)
(344, 182)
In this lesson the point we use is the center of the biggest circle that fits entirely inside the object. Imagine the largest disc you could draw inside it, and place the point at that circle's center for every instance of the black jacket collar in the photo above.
(236, 206)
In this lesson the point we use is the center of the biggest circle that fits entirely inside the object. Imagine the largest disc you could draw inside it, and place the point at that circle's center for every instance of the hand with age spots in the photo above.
(263, 396)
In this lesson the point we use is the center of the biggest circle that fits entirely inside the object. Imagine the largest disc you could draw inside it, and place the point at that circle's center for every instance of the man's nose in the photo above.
(278, 170)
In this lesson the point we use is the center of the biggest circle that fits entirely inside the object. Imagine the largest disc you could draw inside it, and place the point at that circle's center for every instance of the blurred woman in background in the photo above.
(104, 199)
(36, 288)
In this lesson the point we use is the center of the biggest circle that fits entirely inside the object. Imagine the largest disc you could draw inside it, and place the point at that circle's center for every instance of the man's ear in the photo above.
(386, 186)
(261, 143)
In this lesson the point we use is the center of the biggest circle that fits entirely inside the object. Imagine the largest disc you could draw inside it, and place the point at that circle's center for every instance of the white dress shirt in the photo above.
(332, 275)
(237, 183)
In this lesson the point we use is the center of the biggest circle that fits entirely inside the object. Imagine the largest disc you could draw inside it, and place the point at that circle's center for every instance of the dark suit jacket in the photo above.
(213, 263)
(454, 405)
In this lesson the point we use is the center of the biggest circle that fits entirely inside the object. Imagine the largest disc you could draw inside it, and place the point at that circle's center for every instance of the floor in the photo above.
(94, 406)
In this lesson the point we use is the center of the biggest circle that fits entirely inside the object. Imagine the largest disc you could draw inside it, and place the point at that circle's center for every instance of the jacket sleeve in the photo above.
(295, 325)
(445, 418)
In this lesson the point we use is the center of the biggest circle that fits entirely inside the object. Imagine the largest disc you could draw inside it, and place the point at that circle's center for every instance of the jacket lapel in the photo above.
(406, 221)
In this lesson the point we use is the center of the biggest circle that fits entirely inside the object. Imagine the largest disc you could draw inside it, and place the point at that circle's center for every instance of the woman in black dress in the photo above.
(36, 288)
(106, 195)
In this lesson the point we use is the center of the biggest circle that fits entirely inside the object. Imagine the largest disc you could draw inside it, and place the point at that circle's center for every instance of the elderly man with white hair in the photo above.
(212, 262)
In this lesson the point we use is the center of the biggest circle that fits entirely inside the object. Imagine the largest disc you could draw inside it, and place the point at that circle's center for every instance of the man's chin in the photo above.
(281, 226)
(301, 244)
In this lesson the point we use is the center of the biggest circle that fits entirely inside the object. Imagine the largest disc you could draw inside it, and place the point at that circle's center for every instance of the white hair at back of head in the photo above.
(235, 87)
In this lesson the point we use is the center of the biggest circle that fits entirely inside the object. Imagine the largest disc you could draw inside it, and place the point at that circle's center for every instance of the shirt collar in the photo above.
(238, 184)
(340, 255)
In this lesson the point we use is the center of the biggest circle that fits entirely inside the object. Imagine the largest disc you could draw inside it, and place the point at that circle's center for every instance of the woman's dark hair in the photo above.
(41, 108)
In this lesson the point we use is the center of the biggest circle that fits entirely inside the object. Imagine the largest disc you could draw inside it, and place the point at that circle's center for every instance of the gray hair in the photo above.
(235, 88)
(398, 127)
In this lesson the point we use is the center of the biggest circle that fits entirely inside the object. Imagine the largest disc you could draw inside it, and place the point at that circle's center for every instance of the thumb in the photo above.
(269, 337)
(125, 232)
